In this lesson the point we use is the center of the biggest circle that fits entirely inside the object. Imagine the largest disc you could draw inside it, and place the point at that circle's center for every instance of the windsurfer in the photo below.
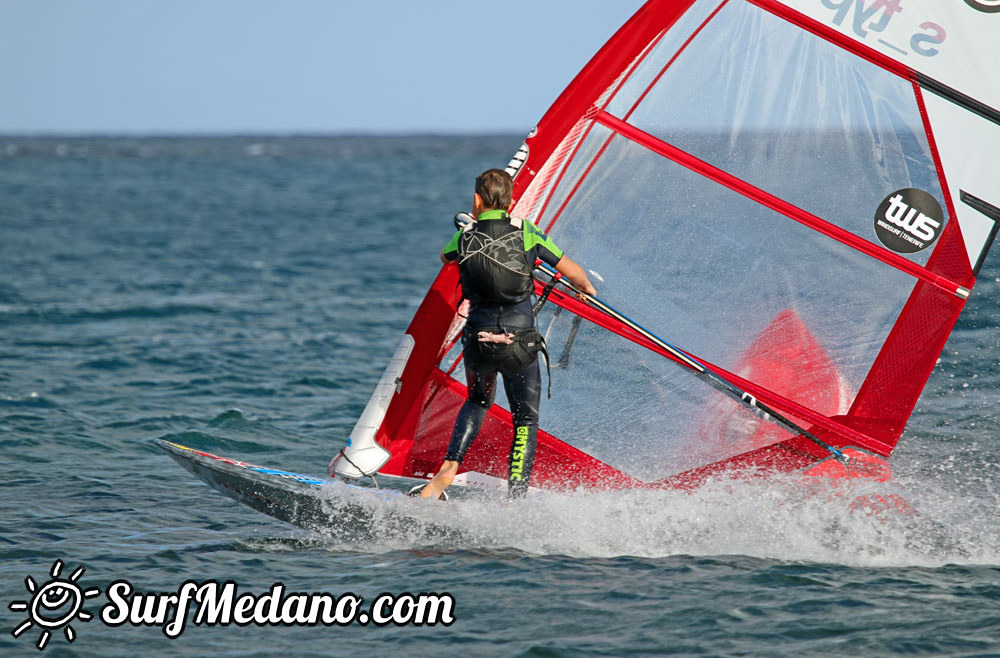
(495, 256)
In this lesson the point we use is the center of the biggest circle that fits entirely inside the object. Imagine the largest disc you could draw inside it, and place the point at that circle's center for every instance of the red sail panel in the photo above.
(784, 357)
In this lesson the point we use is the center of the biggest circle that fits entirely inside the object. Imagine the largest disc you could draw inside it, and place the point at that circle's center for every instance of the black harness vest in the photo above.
(493, 265)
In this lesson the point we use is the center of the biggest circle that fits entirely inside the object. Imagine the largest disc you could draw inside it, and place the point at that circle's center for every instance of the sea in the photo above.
(242, 295)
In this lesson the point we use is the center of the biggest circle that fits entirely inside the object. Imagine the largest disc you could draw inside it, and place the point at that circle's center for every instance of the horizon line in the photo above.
(209, 134)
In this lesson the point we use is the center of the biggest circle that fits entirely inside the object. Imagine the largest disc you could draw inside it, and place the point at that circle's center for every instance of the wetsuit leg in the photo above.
(482, 389)
(524, 391)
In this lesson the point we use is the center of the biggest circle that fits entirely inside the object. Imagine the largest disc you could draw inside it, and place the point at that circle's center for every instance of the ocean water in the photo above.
(243, 295)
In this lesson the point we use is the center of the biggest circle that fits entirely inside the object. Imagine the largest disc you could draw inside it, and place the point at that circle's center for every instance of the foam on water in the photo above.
(912, 522)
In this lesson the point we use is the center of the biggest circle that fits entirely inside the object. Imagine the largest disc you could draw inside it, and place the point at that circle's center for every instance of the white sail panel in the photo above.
(952, 41)
(965, 141)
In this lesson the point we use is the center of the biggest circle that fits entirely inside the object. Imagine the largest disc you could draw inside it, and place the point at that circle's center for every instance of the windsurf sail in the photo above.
(798, 193)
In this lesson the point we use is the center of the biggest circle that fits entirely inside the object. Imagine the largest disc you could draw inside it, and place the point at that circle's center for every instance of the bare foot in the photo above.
(441, 481)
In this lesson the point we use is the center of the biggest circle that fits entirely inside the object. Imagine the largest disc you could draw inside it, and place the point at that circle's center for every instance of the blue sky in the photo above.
(292, 66)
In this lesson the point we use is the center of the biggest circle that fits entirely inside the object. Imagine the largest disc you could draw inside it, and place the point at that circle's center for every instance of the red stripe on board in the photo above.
(774, 203)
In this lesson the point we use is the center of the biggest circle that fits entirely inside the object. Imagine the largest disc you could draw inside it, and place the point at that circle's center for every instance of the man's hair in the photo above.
(495, 187)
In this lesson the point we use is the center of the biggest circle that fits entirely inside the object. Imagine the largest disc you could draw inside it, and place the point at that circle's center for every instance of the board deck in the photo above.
(338, 509)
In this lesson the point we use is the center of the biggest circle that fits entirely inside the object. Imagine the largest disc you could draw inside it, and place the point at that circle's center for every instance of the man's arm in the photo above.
(569, 269)
(450, 251)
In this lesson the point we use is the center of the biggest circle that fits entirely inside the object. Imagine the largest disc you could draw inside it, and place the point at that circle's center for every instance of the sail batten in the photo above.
(769, 397)
(658, 76)
(789, 210)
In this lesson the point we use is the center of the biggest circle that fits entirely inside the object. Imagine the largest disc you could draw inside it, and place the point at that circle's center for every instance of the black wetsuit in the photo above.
(500, 303)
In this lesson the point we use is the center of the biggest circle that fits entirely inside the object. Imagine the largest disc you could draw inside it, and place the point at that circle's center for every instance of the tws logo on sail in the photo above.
(908, 220)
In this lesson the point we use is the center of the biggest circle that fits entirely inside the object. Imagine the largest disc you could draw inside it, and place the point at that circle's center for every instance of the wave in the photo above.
(11, 315)
(772, 519)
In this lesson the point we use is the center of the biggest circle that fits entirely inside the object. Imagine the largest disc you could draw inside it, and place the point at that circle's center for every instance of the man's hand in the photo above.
(572, 271)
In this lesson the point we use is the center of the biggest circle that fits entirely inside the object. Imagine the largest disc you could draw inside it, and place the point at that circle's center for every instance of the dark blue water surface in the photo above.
(243, 295)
